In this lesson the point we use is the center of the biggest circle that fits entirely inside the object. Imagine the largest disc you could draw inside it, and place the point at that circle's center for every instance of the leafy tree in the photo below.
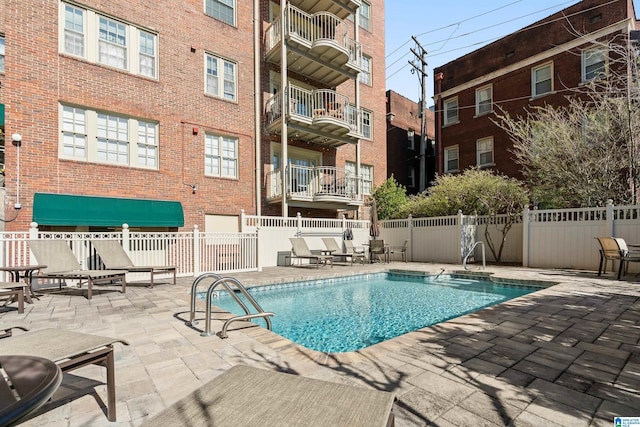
(389, 197)
(586, 152)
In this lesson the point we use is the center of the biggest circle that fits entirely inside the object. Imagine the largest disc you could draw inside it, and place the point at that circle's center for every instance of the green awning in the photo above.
(66, 209)
(1, 114)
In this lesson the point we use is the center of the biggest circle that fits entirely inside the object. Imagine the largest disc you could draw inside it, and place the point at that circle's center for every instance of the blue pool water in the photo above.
(347, 314)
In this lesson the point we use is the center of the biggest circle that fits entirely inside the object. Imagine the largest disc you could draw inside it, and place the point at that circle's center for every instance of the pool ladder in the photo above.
(466, 257)
(226, 283)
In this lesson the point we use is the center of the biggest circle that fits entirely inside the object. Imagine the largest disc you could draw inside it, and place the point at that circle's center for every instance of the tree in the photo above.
(475, 191)
(584, 153)
(389, 197)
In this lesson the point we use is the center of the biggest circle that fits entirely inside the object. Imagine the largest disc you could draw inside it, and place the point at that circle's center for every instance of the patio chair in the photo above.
(351, 248)
(378, 248)
(252, 397)
(69, 350)
(13, 292)
(401, 250)
(300, 250)
(337, 251)
(62, 264)
(609, 250)
(627, 255)
(114, 257)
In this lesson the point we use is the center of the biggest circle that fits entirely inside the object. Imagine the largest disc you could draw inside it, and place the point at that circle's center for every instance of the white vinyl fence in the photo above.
(561, 238)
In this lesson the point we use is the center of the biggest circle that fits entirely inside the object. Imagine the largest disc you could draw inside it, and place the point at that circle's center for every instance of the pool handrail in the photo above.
(223, 281)
(484, 262)
(194, 295)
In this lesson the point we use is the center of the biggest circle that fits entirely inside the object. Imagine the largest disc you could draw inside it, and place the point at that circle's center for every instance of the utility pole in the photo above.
(421, 55)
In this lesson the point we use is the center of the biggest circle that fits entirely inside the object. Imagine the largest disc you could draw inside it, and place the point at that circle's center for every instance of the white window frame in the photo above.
(451, 153)
(112, 43)
(537, 79)
(485, 146)
(587, 61)
(366, 172)
(147, 137)
(82, 140)
(222, 3)
(147, 53)
(481, 103)
(2, 53)
(87, 43)
(450, 106)
(220, 77)
(365, 15)
(366, 119)
(365, 70)
(220, 159)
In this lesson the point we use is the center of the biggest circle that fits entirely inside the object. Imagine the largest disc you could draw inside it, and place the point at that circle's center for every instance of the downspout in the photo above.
(257, 104)
(438, 125)
(284, 155)
(356, 36)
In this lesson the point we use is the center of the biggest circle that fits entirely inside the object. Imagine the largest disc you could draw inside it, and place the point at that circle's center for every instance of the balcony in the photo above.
(321, 116)
(340, 8)
(318, 46)
(321, 187)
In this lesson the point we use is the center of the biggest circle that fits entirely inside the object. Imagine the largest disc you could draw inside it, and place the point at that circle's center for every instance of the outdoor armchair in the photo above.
(401, 250)
(628, 253)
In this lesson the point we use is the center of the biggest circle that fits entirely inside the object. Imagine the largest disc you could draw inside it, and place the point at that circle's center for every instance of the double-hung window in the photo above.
(366, 175)
(221, 77)
(96, 38)
(451, 163)
(224, 10)
(221, 156)
(451, 111)
(2, 53)
(484, 151)
(367, 121)
(365, 15)
(541, 80)
(484, 100)
(594, 62)
(103, 137)
(365, 70)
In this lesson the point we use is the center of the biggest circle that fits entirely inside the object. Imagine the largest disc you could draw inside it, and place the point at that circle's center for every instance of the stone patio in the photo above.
(567, 355)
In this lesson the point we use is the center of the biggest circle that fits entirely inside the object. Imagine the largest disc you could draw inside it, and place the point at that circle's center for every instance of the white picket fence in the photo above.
(562, 238)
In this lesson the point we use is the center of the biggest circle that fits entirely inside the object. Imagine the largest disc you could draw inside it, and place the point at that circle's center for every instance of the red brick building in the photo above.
(540, 64)
(139, 106)
(406, 159)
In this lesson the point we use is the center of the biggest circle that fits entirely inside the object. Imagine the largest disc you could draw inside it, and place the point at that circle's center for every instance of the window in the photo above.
(450, 111)
(223, 10)
(74, 30)
(412, 177)
(593, 63)
(99, 39)
(484, 151)
(365, 15)
(367, 120)
(541, 80)
(103, 137)
(147, 144)
(365, 73)
(1, 53)
(411, 145)
(221, 156)
(366, 175)
(112, 43)
(221, 77)
(484, 101)
(451, 159)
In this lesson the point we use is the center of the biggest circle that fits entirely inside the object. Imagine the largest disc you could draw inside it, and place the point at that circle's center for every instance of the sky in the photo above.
(450, 29)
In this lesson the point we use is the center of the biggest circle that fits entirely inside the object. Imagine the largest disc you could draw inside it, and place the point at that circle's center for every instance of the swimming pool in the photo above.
(351, 313)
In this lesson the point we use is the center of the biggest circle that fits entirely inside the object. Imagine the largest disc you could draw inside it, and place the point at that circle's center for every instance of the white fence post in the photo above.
(525, 237)
(126, 239)
(298, 224)
(460, 236)
(196, 250)
(243, 221)
(610, 220)
(257, 250)
(410, 226)
(33, 235)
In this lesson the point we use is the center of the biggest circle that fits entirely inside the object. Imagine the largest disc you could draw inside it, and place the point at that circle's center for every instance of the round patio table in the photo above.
(29, 382)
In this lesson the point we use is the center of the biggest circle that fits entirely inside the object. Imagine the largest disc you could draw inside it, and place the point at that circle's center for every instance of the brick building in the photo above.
(406, 160)
(540, 64)
(169, 123)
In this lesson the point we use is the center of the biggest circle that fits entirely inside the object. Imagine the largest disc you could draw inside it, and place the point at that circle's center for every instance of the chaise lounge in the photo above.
(62, 264)
(336, 251)
(300, 250)
(114, 257)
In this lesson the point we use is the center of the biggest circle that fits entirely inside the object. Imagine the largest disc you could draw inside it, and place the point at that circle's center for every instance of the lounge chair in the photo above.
(401, 250)
(14, 292)
(627, 255)
(300, 250)
(62, 264)
(337, 251)
(253, 397)
(351, 248)
(69, 350)
(114, 257)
